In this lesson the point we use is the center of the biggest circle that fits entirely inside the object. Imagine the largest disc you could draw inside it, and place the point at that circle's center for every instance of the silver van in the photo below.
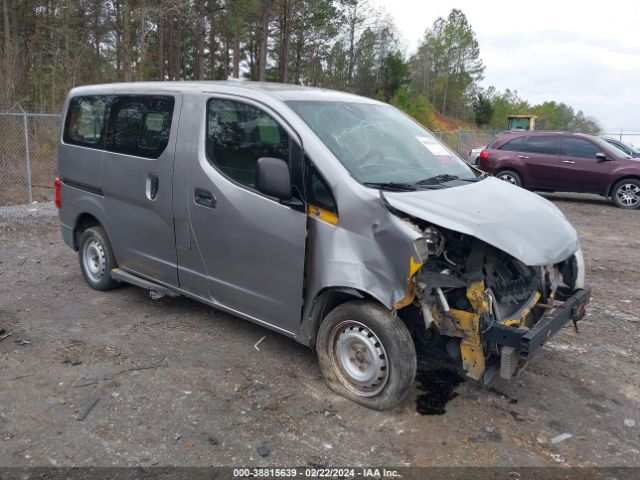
(330, 218)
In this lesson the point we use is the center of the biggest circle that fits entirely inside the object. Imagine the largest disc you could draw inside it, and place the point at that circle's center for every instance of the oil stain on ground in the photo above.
(436, 389)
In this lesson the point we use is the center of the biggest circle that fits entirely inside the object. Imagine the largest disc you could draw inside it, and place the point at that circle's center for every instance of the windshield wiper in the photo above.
(393, 186)
(437, 179)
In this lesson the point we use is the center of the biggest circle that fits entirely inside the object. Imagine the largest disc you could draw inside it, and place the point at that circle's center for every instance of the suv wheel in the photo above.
(97, 259)
(366, 354)
(511, 177)
(626, 193)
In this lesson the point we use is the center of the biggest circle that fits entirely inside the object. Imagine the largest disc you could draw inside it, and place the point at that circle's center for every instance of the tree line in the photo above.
(50, 46)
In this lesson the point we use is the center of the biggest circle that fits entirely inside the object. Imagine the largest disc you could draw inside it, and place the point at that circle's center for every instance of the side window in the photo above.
(238, 135)
(542, 144)
(577, 147)
(513, 145)
(318, 192)
(139, 125)
(85, 121)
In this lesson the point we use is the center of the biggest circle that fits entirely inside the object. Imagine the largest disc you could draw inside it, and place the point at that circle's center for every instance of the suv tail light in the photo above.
(484, 154)
(58, 200)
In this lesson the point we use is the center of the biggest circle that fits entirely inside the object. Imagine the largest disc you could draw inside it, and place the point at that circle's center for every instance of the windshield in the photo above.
(381, 147)
(612, 148)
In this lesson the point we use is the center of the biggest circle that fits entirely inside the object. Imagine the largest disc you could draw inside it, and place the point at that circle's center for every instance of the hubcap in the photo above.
(628, 194)
(94, 260)
(508, 178)
(359, 358)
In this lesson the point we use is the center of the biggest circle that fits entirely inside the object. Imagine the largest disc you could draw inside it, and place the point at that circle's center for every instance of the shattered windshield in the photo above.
(383, 148)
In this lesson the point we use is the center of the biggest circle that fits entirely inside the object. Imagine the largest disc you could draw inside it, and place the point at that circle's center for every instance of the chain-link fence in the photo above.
(462, 141)
(28, 160)
(28, 153)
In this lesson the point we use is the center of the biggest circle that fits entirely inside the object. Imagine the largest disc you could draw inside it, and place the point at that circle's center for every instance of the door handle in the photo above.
(152, 186)
(205, 198)
(568, 161)
(524, 157)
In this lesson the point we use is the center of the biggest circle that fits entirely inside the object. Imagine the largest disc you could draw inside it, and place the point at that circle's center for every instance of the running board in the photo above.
(155, 290)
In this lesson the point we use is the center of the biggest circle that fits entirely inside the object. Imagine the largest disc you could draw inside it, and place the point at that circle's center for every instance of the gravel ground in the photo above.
(177, 383)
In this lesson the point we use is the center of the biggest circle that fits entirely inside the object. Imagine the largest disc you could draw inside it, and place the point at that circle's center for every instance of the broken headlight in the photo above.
(430, 244)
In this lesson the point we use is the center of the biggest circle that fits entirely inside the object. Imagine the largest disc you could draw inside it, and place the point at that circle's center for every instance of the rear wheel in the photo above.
(97, 259)
(511, 177)
(366, 354)
(626, 193)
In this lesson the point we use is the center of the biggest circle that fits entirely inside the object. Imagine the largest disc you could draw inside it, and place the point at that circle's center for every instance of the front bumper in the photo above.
(522, 344)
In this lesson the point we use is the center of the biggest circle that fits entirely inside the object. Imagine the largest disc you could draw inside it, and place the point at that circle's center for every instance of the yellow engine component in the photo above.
(411, 287)
(468, 325)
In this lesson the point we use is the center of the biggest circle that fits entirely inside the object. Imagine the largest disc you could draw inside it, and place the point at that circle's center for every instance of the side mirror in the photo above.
(601, 157)
(273, 178)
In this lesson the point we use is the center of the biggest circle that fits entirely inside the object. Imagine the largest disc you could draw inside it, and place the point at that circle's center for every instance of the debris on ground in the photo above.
(263, 451)
(72, 361)
(86, 410)
(629, 422)
(212, 440)
(86, 383)
(561, 438)
(258, 343)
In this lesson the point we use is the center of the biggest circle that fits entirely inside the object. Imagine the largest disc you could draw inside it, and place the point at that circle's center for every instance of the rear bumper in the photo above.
(526, 342)
(67, 235)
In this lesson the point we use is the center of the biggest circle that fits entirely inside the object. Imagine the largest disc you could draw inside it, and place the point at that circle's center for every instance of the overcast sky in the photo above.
(584, 54)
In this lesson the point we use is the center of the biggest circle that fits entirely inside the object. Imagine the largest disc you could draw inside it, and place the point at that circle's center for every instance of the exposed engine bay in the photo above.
(482, 306)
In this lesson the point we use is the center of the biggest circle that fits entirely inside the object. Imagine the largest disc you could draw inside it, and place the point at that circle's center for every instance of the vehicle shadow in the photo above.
(576, 198)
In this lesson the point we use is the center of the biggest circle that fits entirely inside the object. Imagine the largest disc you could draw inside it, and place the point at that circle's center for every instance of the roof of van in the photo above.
(283, 91)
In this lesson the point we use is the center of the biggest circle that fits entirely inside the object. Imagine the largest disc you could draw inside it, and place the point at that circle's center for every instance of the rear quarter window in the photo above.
(513, 145)
(85, 121)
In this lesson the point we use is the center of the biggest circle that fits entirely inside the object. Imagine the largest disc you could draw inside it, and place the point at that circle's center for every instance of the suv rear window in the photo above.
(542, 144)
(85, 121)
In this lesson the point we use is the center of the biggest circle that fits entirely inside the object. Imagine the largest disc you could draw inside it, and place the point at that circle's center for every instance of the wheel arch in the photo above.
(324, 302)
(618, 180)
(515, 170)
(83, 221)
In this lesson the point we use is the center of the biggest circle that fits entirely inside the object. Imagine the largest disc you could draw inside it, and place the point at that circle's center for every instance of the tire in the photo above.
(510, 176)
(96, 259)
(626, 194)
(366, 355)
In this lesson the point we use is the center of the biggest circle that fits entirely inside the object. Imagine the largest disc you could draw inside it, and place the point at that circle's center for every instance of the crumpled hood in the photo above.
(516, 221)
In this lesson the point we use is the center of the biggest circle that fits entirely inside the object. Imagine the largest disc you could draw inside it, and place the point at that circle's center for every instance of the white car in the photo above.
(473, 155)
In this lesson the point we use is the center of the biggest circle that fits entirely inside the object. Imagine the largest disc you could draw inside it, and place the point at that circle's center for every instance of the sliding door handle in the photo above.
(205, 198)
(152, 186)
(523, 157)
(568, 161)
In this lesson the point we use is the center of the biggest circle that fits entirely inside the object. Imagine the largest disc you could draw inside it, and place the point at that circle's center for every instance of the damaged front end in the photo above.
(484, 307)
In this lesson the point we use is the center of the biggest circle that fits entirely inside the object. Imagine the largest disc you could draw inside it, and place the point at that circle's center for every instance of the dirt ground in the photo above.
(178, 383)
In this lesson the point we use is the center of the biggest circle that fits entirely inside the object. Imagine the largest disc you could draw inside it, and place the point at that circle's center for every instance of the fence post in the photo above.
(458, 149)
(26, 151)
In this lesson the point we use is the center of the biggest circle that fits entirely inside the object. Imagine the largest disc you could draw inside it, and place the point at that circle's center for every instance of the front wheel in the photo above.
(626, 194)
(97, 259)
(511, 177)
(366, 354)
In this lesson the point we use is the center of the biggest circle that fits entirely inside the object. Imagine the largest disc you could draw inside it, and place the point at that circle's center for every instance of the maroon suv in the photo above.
(559, 161)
